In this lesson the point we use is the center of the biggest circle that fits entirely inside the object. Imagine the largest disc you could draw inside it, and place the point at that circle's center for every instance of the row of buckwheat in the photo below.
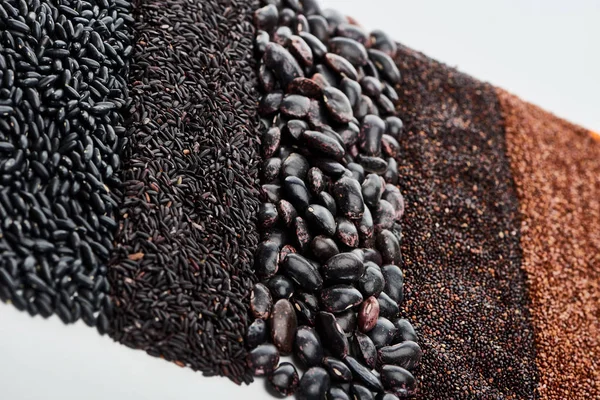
(182, 274)
(62, 87)
(329, 259)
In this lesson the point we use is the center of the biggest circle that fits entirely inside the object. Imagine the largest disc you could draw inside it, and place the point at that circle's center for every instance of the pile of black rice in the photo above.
(62, 89)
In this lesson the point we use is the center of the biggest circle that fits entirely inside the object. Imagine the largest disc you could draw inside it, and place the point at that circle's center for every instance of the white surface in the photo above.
(519, 45)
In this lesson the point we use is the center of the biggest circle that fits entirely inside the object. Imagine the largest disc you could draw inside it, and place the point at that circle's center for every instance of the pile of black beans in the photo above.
(329, 261)
(62, 86)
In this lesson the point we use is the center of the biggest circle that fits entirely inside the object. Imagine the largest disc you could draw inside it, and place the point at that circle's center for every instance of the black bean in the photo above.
(266, 259)
(362, 374)
(257, 333)
(360, 392)
(296, 192)
(284, 379)
(350, 49)
(283, 325)
(381, 41)
(337, 393)
(340, 65)
(323, 144)
(307, 346)
(323, 248)
(394, 126)
(267, 215)
(321, 218)
(370, 135)
(364, 349)
(338, 371)
(406, 355)
(261, 302)
(295, 127)
(383, 333)
(348, 197)
(346, 233)
(265, 18)
(337, 104)
(388, 307)
(372, 188)
(314, 384)
(353, 32)
(339, 298)
(301, 50)
(376, 165)
(333, 335)
(270, 103)
(386, 66)
(316, 45)
(372, 282)
(302, 272)
(400, 381)
(287, 212)
(305, 87)
(368, 314)
(319, 27)
(263, 360)
(282, 63)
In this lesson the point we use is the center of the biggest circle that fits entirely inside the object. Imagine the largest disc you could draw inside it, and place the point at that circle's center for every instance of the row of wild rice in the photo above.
(182, 272)
(62, 90)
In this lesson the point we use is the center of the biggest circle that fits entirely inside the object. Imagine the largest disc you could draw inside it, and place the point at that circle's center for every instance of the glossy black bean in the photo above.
(338, 105)
(280, 287)
(391, 93)
(267, 215)
(287, 16)
(338, 371)
(319, 27)
(323, 144)
(394, 126)
(352, 89)
(284, 380)
(263, 360)
(266, 259)
(350, 49)
(349, 134)
(391, 172)
(398, 380)
(261, 41)
(323, 248)
(383, 332)
(321, 219)
(283, 325)
(337, 393)
(302, 272)
(270, 103)
(314, 384)
(339, 298)
(406, 355)
(316, 45)
(301, 50)
(347, 321)
(346, 233)
(348, 196)
(296, 192)
(394, 282)
(353, 32)
(329, 167)
(295, 106)
(308, 347)
(389, 247)
(386, 396)
(364, 349)
(372, 188)
(282, 63)
(334, 18)
(306, 314)
(302, 232)
(384, 215)
(386, 66)
(265, 18)
(371, 283)
(363, 375)
(393, 196)
(282, 35)
(340, 65)
(287, 212)
(295, 127)
(305, 87)
(386, 106)
(366, 227)
(327, 201)
(257, 333)
(373, 164)
(295, 165)
(358, 172)
(371, 86)
(368, 314)
(371, 132)
(301, 24)
(334, 338)
(388, 307)
(343, 267)
(381, 41)
(390, 145)
(261, 302)
(360, 392)
(405, 331)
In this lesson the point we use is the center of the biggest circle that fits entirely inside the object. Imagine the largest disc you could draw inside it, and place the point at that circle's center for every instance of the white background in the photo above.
(521, 45)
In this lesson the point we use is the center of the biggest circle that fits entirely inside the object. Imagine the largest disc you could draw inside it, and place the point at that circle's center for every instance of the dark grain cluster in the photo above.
(62, 89)
(182, 272)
